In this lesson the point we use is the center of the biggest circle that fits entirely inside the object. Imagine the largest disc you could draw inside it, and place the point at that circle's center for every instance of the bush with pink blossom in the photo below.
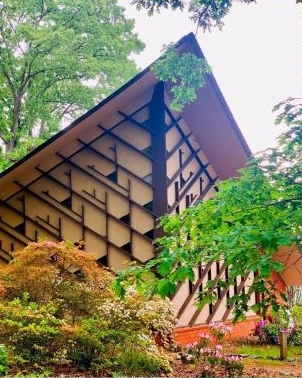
(208, 352)
(220, 330)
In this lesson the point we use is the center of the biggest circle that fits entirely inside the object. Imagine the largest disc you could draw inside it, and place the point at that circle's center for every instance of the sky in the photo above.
(256, 58)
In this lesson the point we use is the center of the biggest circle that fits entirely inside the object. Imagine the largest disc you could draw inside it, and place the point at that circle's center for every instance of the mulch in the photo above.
(287, 369)
(180, 370)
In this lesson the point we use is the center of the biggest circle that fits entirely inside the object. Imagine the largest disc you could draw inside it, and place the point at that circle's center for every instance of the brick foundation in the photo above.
(186, 335)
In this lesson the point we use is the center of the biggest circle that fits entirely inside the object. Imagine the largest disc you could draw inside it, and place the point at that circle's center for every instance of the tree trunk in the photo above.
(11, 144)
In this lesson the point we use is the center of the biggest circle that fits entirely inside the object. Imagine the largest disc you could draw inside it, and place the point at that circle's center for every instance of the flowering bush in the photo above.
(157, 316)
(267, 332)
(295, 336)
(209, 353)
(259, 330)
(71, 314)
(219, 330)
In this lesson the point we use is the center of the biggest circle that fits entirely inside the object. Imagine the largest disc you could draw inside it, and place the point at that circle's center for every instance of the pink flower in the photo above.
(219, 347)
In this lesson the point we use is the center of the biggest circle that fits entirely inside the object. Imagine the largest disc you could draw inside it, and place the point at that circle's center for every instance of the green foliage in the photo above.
(133, 362)
(295, 336)
(30, 331)
(96, 346)
(205, 13)
(57, 60)
(187, 73)
(271, 333)
(155, 5)
(70, 314)
(210, 355)
(244, 225)
(296, 312)
(3, 360)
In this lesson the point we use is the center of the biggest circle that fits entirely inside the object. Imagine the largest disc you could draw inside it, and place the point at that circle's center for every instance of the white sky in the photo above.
(256, 58)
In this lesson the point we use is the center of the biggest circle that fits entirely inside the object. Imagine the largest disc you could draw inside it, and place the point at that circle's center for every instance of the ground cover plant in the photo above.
(57, 307)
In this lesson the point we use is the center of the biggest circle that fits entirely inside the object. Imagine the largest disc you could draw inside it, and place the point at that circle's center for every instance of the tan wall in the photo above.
(142, 248)
(189, 192)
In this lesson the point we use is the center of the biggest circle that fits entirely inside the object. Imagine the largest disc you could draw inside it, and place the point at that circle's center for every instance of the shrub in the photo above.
(295, 336)
(271, 332)
(3, 360)
(259, 330)
(220, 330)
(209, 353)
(97, 347)
(267, 332)
(71, 314)
(30, 331)
(296, 312)
(135, 312)
(60, 273)
(233, 366)
(133, 361)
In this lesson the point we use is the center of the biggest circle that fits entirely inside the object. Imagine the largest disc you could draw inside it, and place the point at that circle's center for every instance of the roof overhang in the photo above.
(209, 119)
(291, 258)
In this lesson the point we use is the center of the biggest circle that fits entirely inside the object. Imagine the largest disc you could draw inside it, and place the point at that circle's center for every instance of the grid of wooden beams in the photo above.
(64, 209)
(184, 180)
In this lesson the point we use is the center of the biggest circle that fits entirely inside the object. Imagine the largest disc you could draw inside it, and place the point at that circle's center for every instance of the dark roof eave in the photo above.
(189, 38)
(220, 97)
(76, 122)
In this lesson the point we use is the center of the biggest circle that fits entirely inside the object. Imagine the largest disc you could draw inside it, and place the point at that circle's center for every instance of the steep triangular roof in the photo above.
(210, 119)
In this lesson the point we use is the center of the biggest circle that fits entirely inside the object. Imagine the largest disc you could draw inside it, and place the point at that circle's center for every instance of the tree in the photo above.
(205, 13)
(57, 273)
(57, 58)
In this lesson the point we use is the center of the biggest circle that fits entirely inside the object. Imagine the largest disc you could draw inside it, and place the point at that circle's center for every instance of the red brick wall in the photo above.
(186, 335)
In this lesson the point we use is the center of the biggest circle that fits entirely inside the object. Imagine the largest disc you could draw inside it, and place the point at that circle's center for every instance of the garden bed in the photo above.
(259, 361)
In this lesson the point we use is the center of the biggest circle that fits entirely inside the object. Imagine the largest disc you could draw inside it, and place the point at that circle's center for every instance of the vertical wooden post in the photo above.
(283, 344)
(158, 143)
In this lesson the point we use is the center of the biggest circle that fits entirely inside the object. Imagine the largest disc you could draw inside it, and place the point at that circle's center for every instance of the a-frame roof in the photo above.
(209, 117)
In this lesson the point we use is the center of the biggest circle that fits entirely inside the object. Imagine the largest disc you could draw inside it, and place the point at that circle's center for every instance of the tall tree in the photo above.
(57, 58)
(205, 13)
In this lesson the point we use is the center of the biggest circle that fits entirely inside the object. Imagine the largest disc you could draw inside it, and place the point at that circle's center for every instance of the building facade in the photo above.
(108, 177)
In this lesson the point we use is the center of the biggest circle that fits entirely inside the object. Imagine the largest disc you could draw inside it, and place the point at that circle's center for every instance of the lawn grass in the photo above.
(268, 351)
(248, 362)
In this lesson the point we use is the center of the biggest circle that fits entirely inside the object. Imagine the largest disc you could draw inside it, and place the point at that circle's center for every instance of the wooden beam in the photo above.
(158, 145)
(117, 164)
(197, 312)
